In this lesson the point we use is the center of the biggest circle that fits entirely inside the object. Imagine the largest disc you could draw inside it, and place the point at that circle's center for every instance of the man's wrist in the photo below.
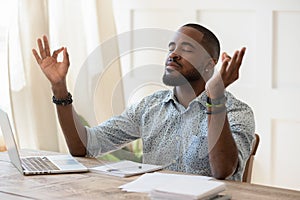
(216, 101)
(216, 105)
(63, 102)
(60, 91)
(215, 94)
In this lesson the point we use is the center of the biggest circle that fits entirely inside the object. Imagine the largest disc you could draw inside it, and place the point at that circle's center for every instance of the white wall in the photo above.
(269, 80)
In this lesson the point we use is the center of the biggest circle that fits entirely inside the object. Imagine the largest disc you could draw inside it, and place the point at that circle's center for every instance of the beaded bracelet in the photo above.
(63, 102)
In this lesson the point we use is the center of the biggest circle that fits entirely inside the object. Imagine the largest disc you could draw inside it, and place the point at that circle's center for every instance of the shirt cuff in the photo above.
(93, 148)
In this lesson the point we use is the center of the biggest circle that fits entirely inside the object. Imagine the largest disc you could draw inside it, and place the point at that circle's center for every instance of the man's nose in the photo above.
(174, 56)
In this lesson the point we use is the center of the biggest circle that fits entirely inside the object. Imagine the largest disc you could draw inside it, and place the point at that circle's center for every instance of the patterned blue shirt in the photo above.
(172, 135)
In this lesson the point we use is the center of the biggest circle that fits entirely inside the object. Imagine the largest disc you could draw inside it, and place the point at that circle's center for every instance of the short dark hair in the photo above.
(210, 42)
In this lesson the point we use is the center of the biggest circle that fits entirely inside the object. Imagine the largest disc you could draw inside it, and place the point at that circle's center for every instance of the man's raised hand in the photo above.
(55, 71)
(228, 74)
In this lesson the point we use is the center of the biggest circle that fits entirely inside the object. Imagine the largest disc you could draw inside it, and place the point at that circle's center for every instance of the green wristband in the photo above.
(214, 105)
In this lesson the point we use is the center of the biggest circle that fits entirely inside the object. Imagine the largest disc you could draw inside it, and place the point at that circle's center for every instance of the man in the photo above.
(197, 127)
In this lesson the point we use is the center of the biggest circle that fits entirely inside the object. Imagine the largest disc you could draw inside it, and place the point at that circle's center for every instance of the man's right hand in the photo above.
(55, 71)
(74, 132)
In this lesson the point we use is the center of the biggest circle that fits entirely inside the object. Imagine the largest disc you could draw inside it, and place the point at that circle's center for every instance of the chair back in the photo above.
(249, 165)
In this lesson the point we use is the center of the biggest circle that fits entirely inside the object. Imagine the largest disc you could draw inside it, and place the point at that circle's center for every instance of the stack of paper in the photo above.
(175, 186)
(125, 168)
(194, 189)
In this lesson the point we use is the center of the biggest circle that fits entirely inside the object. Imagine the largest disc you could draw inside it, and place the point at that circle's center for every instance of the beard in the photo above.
(175, 78)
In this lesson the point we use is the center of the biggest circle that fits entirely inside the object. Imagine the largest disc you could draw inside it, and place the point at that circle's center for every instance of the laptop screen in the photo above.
(10, 140)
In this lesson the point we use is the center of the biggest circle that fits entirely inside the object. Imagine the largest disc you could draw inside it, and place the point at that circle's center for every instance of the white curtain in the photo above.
(79, 25)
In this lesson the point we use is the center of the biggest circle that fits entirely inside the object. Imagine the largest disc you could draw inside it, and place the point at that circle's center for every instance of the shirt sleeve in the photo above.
(242, 125)
(114, 133)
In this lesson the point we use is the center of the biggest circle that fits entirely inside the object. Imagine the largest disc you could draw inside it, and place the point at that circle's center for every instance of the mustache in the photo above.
(173, 60)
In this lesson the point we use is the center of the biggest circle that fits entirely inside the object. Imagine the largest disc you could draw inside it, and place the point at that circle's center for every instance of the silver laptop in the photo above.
(32, 165)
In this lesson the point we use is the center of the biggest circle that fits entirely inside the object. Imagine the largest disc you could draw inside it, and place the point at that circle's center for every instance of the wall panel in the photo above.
(286, 50)
(285, 153)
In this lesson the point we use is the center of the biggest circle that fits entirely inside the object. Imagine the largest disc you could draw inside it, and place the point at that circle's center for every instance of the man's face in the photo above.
(186, 59)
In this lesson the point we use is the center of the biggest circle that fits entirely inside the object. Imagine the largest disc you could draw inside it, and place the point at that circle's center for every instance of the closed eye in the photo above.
(172, 46)
(184, 46)
(187, 47)
(187, 50)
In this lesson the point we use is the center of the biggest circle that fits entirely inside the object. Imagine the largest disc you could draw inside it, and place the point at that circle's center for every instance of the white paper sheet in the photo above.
(125, 168)
(148, 182)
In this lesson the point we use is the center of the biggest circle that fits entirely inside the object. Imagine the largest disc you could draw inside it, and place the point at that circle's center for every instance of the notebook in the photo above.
(125, 168)
(188, 189)
(163, 186)
(32, 165)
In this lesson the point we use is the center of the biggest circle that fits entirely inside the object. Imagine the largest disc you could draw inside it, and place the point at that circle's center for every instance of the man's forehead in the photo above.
(188, 34)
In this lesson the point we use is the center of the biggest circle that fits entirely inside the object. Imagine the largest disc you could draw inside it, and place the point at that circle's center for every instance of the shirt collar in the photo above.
(171, 97)
(202, 98)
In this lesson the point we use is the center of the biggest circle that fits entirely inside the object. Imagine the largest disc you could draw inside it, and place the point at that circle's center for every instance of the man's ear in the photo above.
(211, 63)
(209, 69)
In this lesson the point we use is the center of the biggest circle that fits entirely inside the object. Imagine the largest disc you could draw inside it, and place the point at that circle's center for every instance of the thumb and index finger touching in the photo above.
(44, 51)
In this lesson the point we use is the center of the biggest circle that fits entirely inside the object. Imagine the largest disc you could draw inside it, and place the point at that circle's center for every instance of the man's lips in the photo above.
(170, 66)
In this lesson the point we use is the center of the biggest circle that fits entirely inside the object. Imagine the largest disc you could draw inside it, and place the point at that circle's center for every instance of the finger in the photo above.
(225, 55)
(37, 57)
(233, 61)
(240, 56)
(56, 52)
(46, 44)
(66, 57)
(41, 48)
(236, 62)
(224, 66)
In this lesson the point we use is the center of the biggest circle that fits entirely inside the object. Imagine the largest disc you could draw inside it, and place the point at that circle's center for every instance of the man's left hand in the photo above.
(228, 73)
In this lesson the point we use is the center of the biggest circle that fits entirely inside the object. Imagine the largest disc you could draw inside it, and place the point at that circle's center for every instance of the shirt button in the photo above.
(177, 138)
(174, 161)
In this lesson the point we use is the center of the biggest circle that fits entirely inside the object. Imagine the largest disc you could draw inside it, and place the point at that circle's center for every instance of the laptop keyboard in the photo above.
(38, 164)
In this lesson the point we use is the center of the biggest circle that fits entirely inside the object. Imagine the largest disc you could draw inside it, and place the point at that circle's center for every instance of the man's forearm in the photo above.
(223, 153)
(73, 130)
